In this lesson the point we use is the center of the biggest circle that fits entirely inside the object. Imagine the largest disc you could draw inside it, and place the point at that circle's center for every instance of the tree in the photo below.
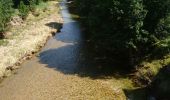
(157, 10)
(131, 28)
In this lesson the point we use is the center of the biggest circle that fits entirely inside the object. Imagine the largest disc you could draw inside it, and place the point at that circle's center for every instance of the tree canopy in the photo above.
(130, 27)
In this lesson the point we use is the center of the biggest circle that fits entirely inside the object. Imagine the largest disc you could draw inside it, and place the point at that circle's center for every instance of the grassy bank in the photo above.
(25, 38)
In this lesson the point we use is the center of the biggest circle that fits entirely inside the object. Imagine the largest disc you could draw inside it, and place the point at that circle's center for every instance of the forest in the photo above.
(136, 29)
(133, 32)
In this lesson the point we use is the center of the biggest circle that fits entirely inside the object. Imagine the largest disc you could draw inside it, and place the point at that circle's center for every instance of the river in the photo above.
(65, 69)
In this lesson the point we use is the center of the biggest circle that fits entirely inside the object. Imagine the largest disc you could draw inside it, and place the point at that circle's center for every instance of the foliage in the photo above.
(26, 5)
(23, 9)
(33, 3)
(17, 2)
(7, 9)
(30, 3)
(5, 14)
(157, 9)
(132, 28)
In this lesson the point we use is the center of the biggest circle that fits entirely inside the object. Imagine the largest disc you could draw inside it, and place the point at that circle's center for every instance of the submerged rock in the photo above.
(160, 87)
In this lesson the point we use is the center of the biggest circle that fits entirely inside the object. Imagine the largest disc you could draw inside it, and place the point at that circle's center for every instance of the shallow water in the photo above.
(66, 68)
(73, 56)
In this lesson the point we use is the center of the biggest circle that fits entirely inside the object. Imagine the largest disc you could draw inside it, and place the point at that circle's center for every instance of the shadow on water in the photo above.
(74, 59)
(77, 56)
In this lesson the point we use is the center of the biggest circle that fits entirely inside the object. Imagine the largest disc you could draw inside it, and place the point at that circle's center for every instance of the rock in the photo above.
(151, 98)
(15, 21)
(7, 73)
(15, 67)
(58, 31)
(18, 63)
(160, 87)
(53, 32)
(2, 35)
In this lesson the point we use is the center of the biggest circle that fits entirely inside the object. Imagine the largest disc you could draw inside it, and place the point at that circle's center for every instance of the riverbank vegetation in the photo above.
(23, 37)
(133, 32)
(11, 8)
(134, 28)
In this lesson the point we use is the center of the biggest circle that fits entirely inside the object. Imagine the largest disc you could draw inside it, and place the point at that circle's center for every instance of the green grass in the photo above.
(15, 13)
(42, 5)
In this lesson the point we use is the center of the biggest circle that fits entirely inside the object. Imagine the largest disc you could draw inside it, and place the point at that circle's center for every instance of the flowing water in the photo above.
(64, 70)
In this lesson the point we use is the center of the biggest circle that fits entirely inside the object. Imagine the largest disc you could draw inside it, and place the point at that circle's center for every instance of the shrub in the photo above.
(131, 28)
(32, 5)
(5, 15)
(23, 9)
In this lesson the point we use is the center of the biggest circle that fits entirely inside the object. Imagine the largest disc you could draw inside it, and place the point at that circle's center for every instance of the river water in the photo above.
(70, 53)
(65, 69)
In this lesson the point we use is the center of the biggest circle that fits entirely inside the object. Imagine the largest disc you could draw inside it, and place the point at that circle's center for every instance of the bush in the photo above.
(5, 14)
(23, 9)
(33, 3)
(17, 2)
(157, 10)
(131, 28)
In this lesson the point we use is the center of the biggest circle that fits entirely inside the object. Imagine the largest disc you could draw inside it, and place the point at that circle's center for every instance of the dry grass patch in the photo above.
(25, 39)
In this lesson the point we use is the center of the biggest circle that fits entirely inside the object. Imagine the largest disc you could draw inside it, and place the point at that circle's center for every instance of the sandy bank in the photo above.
(28, 38)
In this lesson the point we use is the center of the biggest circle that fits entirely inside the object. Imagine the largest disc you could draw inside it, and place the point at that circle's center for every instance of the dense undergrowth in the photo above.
(135, 33)
(135, 29)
